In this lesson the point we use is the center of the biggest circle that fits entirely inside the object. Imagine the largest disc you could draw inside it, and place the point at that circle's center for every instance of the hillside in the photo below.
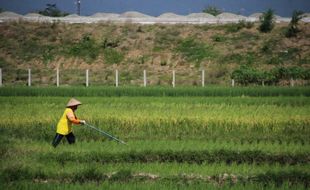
(103, 47)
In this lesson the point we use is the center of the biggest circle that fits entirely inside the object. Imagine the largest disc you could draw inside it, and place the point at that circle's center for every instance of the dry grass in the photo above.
(151, 47)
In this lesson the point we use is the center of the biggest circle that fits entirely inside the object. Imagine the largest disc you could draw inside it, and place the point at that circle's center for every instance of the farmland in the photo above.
(182, 138)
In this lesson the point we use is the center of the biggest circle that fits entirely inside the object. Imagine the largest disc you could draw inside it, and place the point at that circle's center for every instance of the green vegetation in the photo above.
(248, 75)
(235, 27)
(195, 51)
(241, 142)
(212, 10)
(158, 49)
(293, 26)
(86, 48)
(112, 56)
(267, 21)
(52, 11)
(154, 91)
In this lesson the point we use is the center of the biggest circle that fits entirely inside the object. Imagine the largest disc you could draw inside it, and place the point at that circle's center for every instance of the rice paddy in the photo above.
(183, 138)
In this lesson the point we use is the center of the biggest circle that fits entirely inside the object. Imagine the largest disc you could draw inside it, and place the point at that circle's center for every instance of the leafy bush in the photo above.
(267, 21)
(294, 72)
(246, 74)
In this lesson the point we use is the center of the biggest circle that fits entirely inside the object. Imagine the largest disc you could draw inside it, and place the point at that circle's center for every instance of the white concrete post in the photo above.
(0, 77)
(173, 78)
(292, 82)
(263, 83)
(232, 82)
(144, 78)
(87, 78)
(116, 78)
(29, 77)
(57, 77)
(203, 78)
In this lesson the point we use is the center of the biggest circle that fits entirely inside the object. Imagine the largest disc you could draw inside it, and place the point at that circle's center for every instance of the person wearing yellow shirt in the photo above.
(64, 126)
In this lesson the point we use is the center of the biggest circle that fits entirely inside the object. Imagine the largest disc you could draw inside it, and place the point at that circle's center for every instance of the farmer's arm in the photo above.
(72, 118)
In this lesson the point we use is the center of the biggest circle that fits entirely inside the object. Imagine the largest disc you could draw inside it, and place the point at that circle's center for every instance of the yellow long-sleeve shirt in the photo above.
(64, 125)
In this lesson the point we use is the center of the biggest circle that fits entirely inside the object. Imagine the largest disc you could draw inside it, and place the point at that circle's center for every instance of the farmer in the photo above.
(64, 126)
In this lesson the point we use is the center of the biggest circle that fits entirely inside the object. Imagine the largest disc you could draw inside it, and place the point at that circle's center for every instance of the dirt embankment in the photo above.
(159, 49)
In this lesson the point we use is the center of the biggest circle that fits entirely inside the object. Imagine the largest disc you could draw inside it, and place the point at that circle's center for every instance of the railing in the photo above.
(107, 77)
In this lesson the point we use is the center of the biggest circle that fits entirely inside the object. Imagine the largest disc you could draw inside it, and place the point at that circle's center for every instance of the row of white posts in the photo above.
(117, 80)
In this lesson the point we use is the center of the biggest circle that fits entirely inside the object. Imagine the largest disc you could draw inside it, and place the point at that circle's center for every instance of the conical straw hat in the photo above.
(73, 102)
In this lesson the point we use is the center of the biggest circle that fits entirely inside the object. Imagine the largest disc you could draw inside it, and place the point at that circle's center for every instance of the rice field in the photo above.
(183, 138)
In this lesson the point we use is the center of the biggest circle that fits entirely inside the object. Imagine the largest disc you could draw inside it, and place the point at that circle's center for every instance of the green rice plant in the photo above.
(155, 91)
(149, 186)
(216, 141)
(242, 118)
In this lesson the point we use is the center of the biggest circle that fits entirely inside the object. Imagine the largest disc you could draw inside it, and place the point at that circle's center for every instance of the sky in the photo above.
(157, 7)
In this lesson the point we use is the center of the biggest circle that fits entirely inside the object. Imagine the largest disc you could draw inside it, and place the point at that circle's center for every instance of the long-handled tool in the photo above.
(105, 133)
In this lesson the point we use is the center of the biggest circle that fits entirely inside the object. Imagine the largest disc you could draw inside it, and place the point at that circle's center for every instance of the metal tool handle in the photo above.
(105, 133)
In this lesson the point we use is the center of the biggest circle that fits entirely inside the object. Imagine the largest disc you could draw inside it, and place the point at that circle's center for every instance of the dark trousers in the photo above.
(70, 138)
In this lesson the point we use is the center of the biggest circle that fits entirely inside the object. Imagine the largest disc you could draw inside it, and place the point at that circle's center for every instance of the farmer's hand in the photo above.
(83, 122)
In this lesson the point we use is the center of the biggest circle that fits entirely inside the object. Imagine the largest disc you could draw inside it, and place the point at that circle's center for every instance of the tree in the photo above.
(293, 26)
(53, 11)
(267, 21)
(212, 10)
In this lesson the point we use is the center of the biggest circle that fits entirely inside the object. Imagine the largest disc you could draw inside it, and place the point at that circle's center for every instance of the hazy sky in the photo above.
(157, 7)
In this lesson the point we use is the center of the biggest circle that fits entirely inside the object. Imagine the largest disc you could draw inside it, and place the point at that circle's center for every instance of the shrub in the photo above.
(194, 51)
(212, 10)
(86, 48)
(246, 58)
(109, 43)
(235, 27)
(219, 38)
(294, 72)
(267, 21)
(165, 39)
(293, 26)
(112, 56)
(246, 75)
(52, 11)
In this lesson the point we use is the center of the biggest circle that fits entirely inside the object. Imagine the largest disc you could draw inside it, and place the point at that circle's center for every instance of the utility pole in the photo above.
(78, 10)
